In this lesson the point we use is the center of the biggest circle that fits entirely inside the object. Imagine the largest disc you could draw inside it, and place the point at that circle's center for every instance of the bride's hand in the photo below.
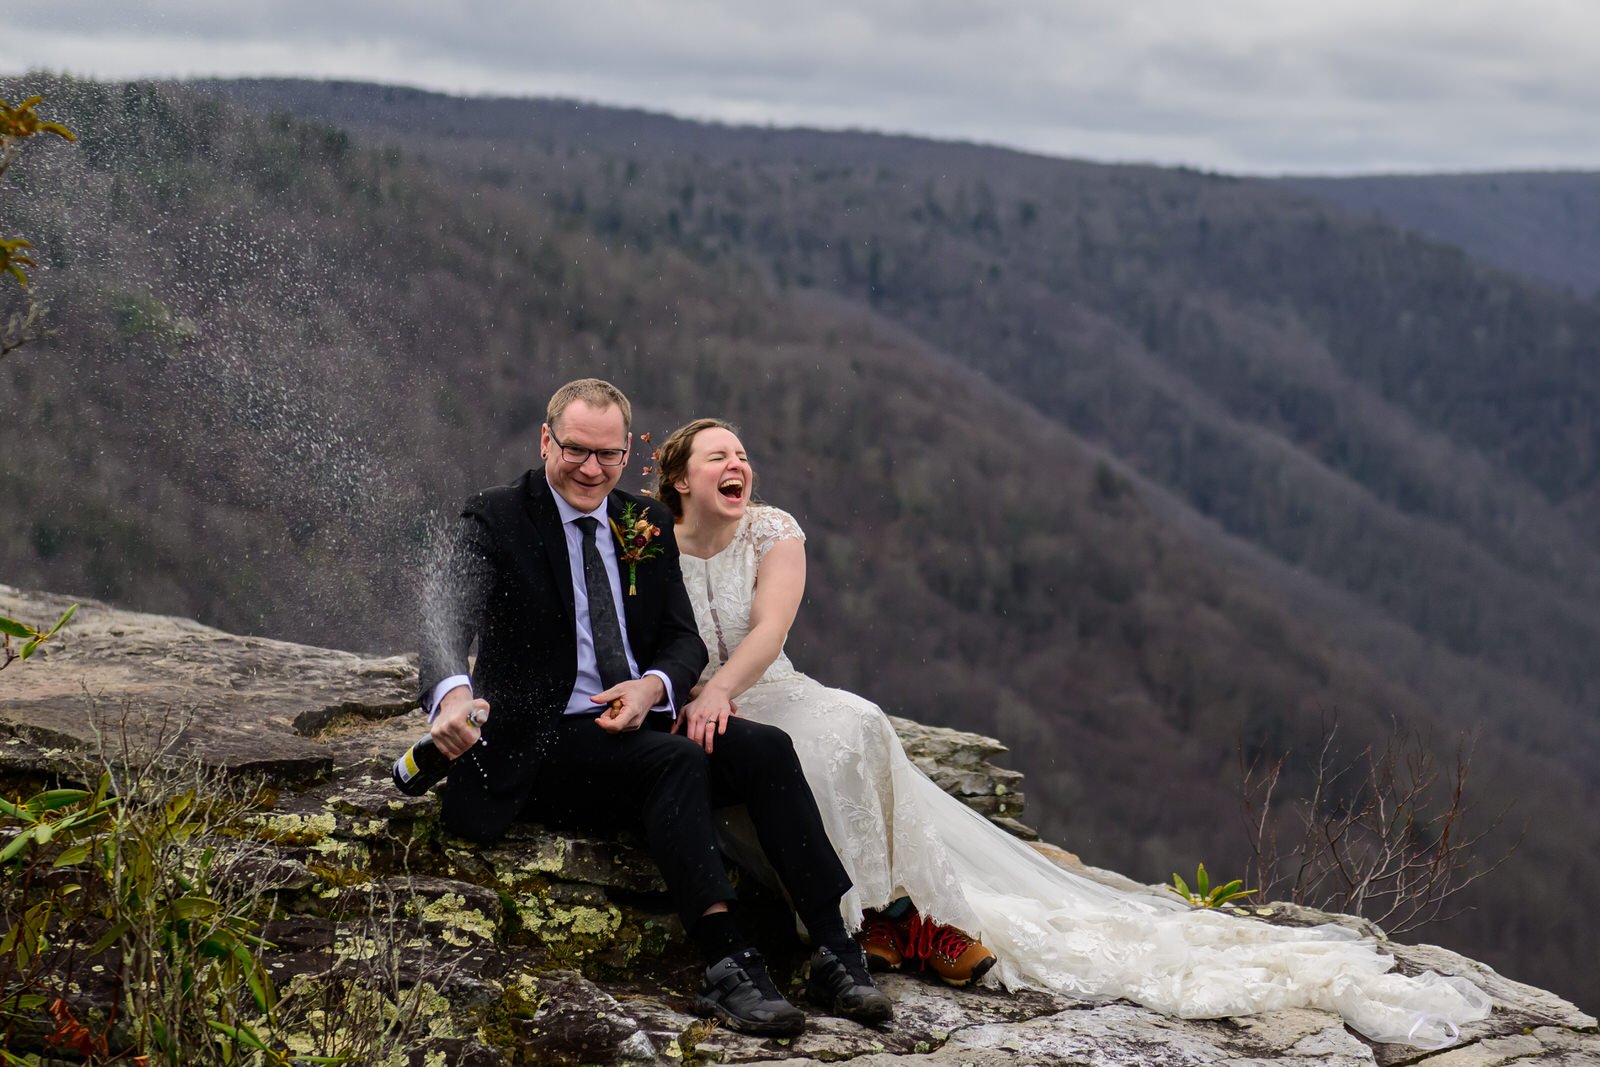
(704, 717)
(682, 716)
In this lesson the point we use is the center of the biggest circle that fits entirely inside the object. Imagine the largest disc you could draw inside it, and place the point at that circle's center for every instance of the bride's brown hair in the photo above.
(672, 459)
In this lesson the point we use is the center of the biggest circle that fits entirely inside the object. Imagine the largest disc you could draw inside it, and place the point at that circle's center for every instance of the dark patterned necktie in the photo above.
(603, 625)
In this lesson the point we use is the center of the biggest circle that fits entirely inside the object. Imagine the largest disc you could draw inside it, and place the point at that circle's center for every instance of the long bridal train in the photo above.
(899, 834)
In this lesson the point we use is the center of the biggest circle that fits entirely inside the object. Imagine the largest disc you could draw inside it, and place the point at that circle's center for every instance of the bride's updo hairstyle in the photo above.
(672, 460)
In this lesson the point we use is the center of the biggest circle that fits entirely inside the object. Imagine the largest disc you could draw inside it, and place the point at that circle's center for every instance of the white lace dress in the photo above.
(899, 834)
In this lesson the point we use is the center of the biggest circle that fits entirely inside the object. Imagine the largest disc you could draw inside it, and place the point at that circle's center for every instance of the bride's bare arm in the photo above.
(780, 583)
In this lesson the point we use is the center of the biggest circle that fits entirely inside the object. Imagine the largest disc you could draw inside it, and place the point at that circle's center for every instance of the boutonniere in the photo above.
(636, 536)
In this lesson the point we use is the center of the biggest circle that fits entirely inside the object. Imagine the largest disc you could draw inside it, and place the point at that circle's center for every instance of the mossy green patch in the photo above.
(333, 880)
(286, 829)
(340, 853)
(461, 924)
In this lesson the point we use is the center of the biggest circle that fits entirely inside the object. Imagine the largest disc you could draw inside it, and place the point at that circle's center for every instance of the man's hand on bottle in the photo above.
(455, 729)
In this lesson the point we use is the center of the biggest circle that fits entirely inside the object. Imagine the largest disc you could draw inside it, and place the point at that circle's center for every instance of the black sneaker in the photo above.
(740, 993)
(843, 986)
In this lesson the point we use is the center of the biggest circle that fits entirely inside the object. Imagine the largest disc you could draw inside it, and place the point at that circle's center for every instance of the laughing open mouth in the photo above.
(731, 488)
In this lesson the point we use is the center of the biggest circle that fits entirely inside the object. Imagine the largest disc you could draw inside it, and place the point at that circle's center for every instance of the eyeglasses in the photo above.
(577, 454)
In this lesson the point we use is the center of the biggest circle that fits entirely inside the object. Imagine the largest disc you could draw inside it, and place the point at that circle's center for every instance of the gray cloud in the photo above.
(1244, 85)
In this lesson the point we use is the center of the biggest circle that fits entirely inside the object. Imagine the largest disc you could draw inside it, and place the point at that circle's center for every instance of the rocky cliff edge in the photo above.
(556, 949)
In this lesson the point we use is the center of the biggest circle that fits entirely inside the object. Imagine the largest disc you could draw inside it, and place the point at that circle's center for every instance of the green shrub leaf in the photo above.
(110, 938)
(158, 1030)
(52, 799)
(18, 843)
(14, 811)
(69, 613)
(241, 1034)
(194, 907)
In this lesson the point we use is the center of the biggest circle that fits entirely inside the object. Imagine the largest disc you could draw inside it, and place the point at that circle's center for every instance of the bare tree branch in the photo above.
(1382, 835)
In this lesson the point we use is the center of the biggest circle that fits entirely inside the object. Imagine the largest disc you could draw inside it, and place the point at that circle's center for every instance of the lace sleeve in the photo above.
(770, 525)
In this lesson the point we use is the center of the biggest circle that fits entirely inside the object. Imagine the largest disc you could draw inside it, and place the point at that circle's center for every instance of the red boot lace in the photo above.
(924, 939)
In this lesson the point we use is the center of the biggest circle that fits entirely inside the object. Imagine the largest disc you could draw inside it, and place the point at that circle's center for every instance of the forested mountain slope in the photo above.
(1127, 466)
(1540, 224)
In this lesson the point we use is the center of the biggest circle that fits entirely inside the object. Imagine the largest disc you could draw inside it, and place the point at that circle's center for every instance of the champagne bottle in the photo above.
(422, 765)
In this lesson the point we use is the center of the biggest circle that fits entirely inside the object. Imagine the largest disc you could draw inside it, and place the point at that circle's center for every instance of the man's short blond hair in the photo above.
(595, 392)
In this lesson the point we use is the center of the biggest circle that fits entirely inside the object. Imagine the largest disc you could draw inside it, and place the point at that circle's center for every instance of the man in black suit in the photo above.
(583, 673)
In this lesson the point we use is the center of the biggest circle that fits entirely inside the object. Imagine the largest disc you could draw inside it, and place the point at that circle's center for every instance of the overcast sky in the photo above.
(1311, 86)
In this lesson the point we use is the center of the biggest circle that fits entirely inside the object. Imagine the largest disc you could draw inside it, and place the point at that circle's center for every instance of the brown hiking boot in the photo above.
(880, 940)
(954, 955)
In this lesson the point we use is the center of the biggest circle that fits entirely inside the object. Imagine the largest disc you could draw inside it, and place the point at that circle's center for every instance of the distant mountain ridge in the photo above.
(1210, 299)
(1122, 464)
(1539, 224)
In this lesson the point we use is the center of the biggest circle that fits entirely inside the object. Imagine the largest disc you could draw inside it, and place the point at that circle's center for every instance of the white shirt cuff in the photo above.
(450, 683)
(668, 705)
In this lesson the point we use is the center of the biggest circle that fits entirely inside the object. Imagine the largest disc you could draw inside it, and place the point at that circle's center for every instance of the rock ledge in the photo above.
(557, 949)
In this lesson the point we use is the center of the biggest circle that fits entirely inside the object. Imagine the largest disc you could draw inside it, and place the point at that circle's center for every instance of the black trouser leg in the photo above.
(594, 780)
(755, 765)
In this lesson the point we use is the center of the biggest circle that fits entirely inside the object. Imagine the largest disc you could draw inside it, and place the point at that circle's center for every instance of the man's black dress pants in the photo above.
(667, 786)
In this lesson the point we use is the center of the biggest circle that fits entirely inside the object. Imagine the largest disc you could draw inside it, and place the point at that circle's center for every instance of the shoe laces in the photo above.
(878, 928)
(925, 939)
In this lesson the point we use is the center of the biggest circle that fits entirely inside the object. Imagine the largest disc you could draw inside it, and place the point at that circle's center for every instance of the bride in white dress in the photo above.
(900, 835)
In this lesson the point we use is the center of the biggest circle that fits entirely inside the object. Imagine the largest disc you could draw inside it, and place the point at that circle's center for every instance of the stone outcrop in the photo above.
(560, 949)
(294, 712)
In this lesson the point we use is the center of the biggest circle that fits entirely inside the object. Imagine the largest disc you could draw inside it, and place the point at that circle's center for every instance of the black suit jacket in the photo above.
(507, 583)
